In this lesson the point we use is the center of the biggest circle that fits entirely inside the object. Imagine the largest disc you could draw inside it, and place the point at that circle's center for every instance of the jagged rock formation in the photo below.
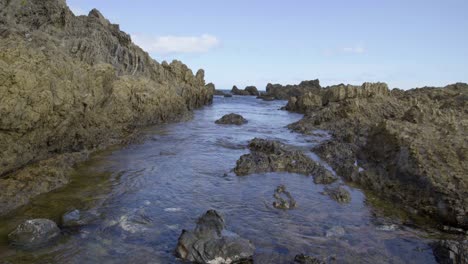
(69, 83)
(407, 146)
(281, 92)
(273, 156)
(210, 242)
(249, 90)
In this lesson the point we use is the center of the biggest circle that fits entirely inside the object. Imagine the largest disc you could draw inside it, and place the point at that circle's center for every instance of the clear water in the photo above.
(143, 195)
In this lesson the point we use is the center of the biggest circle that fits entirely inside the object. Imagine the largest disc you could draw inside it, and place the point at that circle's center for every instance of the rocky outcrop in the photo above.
(252, 90)
(249, 90)
(33, 233)
(407, 146)
(211, 243)
(281, 92)
(231, 119)
(273, 156)
(70, 83)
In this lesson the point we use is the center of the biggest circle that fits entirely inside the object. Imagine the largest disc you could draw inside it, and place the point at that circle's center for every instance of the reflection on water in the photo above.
(142, 196)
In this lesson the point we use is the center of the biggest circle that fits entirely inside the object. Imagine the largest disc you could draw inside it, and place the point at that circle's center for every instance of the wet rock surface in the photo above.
(408, 147)
(270, 156)
(211, 243)
(282, 203)
(338, 193)
(71, 83)
(304, 259)
(33, 233)
(451, 252)
(232, 119)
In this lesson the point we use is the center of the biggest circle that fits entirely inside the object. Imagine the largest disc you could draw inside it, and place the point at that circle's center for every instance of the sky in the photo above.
(407, 44)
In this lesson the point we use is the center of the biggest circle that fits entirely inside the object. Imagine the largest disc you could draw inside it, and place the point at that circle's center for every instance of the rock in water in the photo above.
(237, 91)
(211, 243)
(304, 259)
(451, 252)
(338, 194)
(34, 233)
(269, 156)
(232, 119)
(336, 231)
(281, 203)
(252, 90)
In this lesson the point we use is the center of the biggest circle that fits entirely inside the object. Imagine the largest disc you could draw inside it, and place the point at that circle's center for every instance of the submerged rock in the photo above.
(280, 202)
(336, 231)
(232, 119)
(338, 193)
(211, 243)
(304, 259)
(270, 156)
(75, 218)
(451, 252)
(35, 232)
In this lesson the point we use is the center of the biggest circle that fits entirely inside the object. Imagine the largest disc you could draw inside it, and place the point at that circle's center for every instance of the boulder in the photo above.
(273, 156)
(232, 119)
(211, 243)
(35, 232)
(338, 193)
(252, 90)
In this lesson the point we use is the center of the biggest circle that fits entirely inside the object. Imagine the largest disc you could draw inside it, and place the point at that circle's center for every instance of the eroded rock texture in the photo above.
(211, 243)
(273, 156)
(408, 146)
(69, 83)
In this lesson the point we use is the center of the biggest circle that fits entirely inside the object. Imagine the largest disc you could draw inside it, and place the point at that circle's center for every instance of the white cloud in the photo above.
(358, 49)
(78, 11)
(177, 44)
(354, 50)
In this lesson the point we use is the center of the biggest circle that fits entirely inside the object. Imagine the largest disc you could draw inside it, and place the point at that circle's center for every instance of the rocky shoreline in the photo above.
(409, 147)
(73, 84)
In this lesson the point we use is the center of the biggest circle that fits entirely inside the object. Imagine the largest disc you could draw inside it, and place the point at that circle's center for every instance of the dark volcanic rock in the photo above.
(237, 91)
(406, 146)
(34, 233)
(269, 156)
(451, 252)
(338, 193)
(211, 243)
(232, 119)
(280, 202)
(252, 90)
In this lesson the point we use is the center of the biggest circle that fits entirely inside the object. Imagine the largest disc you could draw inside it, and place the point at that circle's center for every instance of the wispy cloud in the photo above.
(354, 50)
(357, 49)
(177, 44)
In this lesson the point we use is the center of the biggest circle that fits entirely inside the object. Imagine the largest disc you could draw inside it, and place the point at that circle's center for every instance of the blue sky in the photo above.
(407, 44)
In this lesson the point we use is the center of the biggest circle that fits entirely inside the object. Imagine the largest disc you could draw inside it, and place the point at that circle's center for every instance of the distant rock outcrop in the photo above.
(70, 83)
(281, 92)
(249, 90)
